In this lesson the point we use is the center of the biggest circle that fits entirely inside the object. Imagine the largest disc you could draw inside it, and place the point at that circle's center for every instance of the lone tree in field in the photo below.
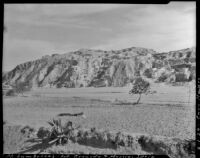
(140, 86)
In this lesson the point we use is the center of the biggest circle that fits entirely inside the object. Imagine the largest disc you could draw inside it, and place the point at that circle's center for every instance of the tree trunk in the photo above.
(22, 94)
(138, 99)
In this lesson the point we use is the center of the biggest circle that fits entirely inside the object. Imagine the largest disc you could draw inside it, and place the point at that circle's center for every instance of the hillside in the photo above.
(98, 68)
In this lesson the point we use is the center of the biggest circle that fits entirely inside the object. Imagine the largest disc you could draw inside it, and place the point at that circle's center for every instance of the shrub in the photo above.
(119, 139)
(27, 130)
(162, 77)
(80, 134)
(21, 87)
(74, 62)
(10, 92)
(115, 57)
(104, 136)
(148, 73)
(58, 133)
(43, 132)
(181, 77)
(111, 137)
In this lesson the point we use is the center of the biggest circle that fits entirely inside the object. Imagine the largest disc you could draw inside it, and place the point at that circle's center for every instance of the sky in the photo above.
(35, 30)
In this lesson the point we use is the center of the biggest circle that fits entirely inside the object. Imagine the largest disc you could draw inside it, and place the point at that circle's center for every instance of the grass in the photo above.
(152, 119)
(166, 113)
(14, 137)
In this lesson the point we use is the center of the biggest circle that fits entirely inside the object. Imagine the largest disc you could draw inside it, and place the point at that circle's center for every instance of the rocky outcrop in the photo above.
(98, 68)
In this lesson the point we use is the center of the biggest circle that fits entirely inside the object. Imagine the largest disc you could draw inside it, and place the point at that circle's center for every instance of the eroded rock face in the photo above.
(98, 68)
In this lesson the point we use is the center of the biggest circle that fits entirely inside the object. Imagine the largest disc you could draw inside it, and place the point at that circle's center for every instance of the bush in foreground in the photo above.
(58, 133)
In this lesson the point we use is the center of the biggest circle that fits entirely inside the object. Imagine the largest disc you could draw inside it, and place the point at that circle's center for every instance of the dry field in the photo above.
(169, 112)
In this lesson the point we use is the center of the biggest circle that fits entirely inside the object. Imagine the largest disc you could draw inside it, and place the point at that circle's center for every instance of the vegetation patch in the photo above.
(55, 138)
(140, 86)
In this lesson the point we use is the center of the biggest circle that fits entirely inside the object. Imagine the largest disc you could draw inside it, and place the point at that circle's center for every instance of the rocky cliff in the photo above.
(98, 68)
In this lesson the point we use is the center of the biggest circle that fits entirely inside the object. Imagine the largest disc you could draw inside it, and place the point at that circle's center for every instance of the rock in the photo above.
(97, 68)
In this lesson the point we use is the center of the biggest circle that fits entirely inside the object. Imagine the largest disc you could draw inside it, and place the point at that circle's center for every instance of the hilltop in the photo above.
(98, 68)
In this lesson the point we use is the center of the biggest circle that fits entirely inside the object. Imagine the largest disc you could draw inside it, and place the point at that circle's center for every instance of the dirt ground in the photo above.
(169, 112)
